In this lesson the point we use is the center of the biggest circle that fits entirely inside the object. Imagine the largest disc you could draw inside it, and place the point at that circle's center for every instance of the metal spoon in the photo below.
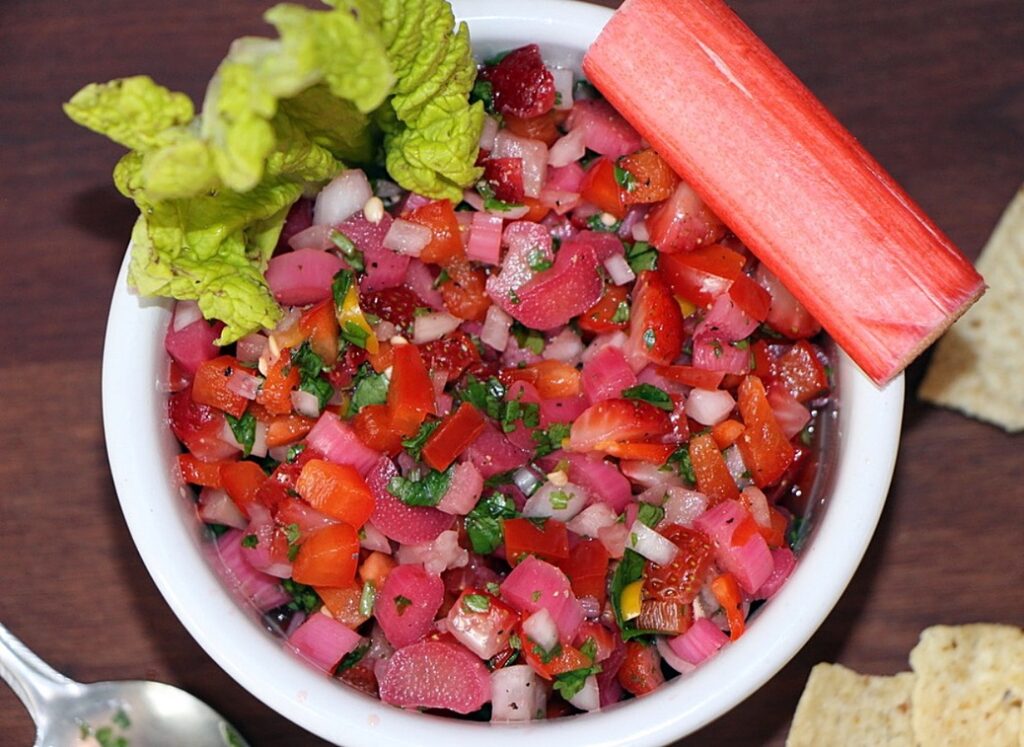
(109, 714)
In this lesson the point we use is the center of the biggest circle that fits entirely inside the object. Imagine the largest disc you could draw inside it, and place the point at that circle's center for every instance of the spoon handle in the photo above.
(31, 678)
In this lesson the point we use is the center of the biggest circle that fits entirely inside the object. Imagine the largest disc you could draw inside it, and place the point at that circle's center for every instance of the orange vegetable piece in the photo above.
(336, 490)
(726, 432)
(343, 603)
(713, 477)
(375, 568)
(197, 472)
(282, 378)
(653, 179)
(210, 386)
(600, 188)
(284, 429)
(765, 449)
(446, 241)
(453, 436)
(328, 557)
(553, 379)
(319, 325)
(242, 481)
(727, 592)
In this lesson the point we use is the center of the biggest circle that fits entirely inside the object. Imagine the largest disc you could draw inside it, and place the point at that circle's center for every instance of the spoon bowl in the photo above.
(108, 713)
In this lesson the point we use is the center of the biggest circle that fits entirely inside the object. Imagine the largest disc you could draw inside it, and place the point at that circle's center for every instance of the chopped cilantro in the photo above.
(550, 439)
(492, 588)
(250, 541)
(401, 603)
(348, 250)
(538, 260)
(625, 179)
(642, 256)
(339, 287)
(596, 223)
(304, 598)
(486, 396)
(546, 655)
(650, 394)
(528, 339)
(243, 429)
(797, 534)
(514, 410)
(415, 444)
(476, 603)
(352, 332)
(584, 89)
(650, 514)
(486, 190)
(353, 657)
(311, 367)
(559, 499)
(483, 91)
(293, 452)
(680, 462)
(630, 569)
(568, 684)
(716, 348)
(442, 278)
(371, 388)
(514, 642)
(514, 297)
(621, 315)
(425, 490)
(484, 523)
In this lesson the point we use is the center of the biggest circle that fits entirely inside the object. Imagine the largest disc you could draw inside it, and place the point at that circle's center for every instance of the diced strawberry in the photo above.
(396, 305)
(681, 580)
(522, 85)
(655, 323)
(617, 421)
(505, 175)
(453, 353)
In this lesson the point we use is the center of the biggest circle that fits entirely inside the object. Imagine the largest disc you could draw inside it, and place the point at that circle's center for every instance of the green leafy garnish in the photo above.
(642, 256)
(401, 604)
(630, 569)
(680, 462)
(550, 439)
(624, 178)
(349, 251)
(311, 367)
(528, 339)
(293, 452)
(250, 541)
(621, 315)
(476, 603)
(243, 429)
(415, 444)
(425, 490)
(559, 499)
(304, 598)
(569, 683)
(650, 514)
(484, 523)
(353, 657)
(367, 599)
(483, 92)
(486, 190)
(596, 223)
(538, 260)
(650, 394)
(371, 388)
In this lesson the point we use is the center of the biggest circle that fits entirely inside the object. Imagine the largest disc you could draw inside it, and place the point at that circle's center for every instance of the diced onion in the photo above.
(650, 544)
(488, 132)
(737, 467)
(516, 694)
(534, 154)
(259, 440)
(306, 403)
(567, 149)
(185, 313)
(406, 237)
(563, 79)
(243, 383)
(342, 198)
(561, 502)
(588, 698)
(619, 269)
(251, 347)
(592, 519)
(709, 407)
(496, 328)
(566, 346)
(527, 480)
(590, 606)
(757, 503)
(640, 231)
(541, 629)
(216, 507)
(433, 326)
(372, 539)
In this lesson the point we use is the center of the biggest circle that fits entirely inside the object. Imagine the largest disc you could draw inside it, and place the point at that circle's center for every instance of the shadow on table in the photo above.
(103, 213)
(770, 709)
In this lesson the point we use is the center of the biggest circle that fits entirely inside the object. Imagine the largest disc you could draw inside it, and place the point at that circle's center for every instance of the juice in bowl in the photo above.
(459, 484)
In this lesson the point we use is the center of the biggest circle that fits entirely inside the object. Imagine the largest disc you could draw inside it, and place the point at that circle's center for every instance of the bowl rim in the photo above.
(161, 524)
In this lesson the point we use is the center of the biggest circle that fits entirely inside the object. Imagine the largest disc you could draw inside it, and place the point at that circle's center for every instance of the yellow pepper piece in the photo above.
(630, 600)
(351, 316)
(686, 307)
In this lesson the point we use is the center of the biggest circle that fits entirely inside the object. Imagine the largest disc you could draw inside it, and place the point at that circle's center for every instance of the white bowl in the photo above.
(163, 523)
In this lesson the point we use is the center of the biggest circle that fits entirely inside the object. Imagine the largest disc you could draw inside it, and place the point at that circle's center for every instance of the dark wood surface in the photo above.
(934, 88)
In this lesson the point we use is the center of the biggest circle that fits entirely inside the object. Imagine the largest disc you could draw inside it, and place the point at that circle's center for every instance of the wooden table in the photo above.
(934, 88)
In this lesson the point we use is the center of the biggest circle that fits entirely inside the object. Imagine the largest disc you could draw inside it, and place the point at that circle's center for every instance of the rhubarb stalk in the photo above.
(785, 176)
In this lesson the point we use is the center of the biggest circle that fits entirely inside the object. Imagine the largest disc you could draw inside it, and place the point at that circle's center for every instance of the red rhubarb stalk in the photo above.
(785, 176)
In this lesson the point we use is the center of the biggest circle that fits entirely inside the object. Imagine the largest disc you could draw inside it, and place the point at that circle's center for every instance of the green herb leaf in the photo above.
(250, 541)
(680, 462)
(484, 523)
(624, 178)
(528, 339)
(311, 367)
(421, 491)
(488, 397)
(650, 514)
(630, 569)
(353, 657)
(476, 603)
(596, 223)
(415, 444)
(621, 315)
(550, 439)
(304, 598)
(642, 256)
(484, 188)
(559, 499)
(650, 394)
(371, 388)
(483, 91)
(339, 287)
(350, 251)
(401, 604)
(538, 260)
(244, 430)
(293, 452)
(569, 683)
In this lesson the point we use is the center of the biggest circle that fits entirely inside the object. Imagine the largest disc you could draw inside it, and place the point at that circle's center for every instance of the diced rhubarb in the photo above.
(435, 674)
(323, 641)
(607, 374)
(534, 585)
(397, 521)
(739, 547)
(785, 176)
(698, 643)
(493, 453)
(406, 605)
(336, 440)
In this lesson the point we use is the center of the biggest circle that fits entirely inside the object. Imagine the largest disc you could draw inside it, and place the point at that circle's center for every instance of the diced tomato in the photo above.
(343, 603)
(537, 210)
(726, 433)
(375, 568)
(765, 449)
(282, 379)
(548, 540)
(617, 421)
(653, 179)
(601, 188)
(242, 481)
(568, 659)
(702, 275)
(505, 176)
(328, 557)
(610, 313)
(727, 592)
(587, 569)
(801, 372)
(683, 222)
(698, 378)
(713, 477)
(411, 392)
(640, 672)
(464, 293)
(543, 127)
(446, 240)
(482, 622)
(198, 426)
(336, 490)
(453, 436)
(750, 298)
(602, 637)
(521, 84)
(656, 323)
(319, 325)
(396, 305)
(210, 386)
(197, 472)
(375, 427)
(552, 379)
(281, 484)
(640, 452)
(682, 579)
(285, 429)
(453, 353)
(177, 377)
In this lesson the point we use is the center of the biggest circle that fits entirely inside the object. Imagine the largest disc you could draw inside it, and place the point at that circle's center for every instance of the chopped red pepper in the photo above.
(548, 540)
(765, 449)
(713, 477)
(453, 436)
(727, 592)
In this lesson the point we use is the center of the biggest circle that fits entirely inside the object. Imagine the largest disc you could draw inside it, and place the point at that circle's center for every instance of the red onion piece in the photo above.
(592, 519)
(490, 129)
(564, 82)
(251, 347)
(670, 657)
(568, 149)
(374, 540)
(419, 277)
(604, 130)
(314, 237)
(243, 383)
(784, 561)
(185, 313)
(566, 346)
(561, 502)
(535, 584)
(306, 403)
(323, 641)
(216, 507)
(751, 562)
(701, 641)
(433, 326)
(262, 590)
(496, 328)
(406, 237)
(619, 270)
(516, 694)
(650, 544)
(541, 629)
(568, 178)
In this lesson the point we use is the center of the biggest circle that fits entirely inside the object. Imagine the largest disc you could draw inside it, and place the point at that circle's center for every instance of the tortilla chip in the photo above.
(969, 686)
(977, 364)
(841, 708)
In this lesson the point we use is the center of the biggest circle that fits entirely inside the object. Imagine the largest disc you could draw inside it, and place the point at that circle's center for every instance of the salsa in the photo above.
(519, 456)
